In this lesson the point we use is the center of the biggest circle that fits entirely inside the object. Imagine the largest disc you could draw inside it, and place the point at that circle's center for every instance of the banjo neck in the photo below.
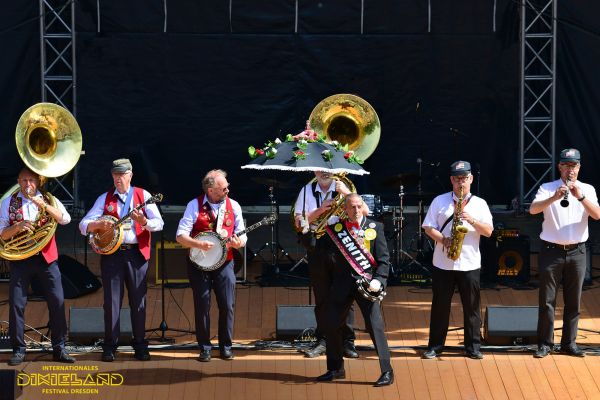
(266, 220)
(153, 199)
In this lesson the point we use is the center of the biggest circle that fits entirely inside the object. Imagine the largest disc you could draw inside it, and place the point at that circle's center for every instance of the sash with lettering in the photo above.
(359, 258)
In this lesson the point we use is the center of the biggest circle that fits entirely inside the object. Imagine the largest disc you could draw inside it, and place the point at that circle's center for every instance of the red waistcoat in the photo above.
(15, 215)
(206, 221)
(143, 236)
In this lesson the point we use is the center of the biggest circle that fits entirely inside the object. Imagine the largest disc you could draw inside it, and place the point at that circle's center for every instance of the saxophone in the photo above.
(458, 231)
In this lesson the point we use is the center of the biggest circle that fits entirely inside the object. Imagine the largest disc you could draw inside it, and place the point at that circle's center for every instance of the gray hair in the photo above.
(209, 179)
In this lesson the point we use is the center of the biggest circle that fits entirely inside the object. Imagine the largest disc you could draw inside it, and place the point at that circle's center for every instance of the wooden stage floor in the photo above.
(285, 374)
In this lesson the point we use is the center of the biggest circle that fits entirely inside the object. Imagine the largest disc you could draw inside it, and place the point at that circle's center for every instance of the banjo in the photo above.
(107, 241)
(209, 260)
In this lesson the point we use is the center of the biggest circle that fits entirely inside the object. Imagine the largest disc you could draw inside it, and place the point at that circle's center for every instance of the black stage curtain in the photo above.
(194, 98)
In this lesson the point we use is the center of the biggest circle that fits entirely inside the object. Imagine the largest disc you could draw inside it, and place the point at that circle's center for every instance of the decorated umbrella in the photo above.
(305, 151)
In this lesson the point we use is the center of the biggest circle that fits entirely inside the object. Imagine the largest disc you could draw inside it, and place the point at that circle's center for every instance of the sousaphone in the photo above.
(49, 142)
(349, 120)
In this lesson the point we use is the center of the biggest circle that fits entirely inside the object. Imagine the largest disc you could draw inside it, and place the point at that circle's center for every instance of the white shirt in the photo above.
(565, 225)
(191, 212)
(30, 210)
(439, 211)
(310, 203)
(155, 221)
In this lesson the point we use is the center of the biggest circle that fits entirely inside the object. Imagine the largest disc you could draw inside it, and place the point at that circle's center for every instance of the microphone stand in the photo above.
(163, 327)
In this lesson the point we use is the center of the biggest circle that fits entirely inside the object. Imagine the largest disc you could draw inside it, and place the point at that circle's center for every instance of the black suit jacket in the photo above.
(379, 250)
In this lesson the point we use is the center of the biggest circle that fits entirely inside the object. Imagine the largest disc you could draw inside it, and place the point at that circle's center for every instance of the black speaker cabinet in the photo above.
(505, 259)
(8, 382)
(86, 325)
(292, 321)
(176, 257)
(77, 280)
(505, 325)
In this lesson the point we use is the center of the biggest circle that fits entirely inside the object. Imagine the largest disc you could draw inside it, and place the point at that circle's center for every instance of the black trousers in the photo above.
(120, 269)
(48, 276)
(443, 284)
(321, 279)
(558, 265)
(342, 294)
(222, 281)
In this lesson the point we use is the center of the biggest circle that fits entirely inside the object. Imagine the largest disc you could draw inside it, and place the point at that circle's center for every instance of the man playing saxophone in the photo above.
(456, 259)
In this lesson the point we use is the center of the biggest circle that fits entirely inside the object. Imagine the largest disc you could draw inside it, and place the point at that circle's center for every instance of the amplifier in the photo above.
(176, 258)
(505, 260)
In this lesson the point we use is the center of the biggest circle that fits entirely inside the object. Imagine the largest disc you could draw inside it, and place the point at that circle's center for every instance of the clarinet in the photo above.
(565, 200)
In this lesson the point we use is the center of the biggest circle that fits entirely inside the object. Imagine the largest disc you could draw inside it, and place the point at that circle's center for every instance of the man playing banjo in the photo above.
(213, 212)
(128, 264)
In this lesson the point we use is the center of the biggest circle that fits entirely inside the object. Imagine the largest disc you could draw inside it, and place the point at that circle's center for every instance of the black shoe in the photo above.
(204, 355)
(108, 356)
(226, 354)
(331, 375)
(429, 354)
(542, 351)
(350, 350)
(475, 355)
(62, 356)
(17, 358)
(142, 355)
(572, 351)
(387, 378)
(316, 351)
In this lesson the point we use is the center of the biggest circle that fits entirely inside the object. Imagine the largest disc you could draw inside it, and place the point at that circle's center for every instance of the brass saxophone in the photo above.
(458, 231)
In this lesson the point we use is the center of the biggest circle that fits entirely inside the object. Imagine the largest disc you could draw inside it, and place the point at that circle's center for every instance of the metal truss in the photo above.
(537, 96)
(58, 77)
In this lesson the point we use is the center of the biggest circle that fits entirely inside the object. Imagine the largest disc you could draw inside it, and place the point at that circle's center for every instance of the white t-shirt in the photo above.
(439, 211)
(565, 225)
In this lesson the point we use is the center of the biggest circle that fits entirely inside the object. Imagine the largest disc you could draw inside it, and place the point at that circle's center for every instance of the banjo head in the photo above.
(209, 260)
(107, 241)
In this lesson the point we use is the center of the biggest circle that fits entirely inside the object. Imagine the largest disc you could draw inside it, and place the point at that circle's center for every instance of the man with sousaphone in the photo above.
(120, 224)
(25, 216)
(48, 140)
(206, 216)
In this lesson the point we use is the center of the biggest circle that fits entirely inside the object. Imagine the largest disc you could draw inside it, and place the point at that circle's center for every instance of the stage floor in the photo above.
(285, 374)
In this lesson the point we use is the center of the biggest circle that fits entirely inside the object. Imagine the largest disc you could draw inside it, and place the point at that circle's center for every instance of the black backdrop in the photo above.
(194, 98)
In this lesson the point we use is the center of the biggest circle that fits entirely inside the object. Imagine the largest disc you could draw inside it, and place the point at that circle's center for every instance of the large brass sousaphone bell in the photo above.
(347, 119)
(49, 142)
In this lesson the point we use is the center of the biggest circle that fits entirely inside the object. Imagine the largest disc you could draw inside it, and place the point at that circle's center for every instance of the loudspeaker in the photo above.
(86, 325)
(8, 382)
(505, 325)
(176, 257)
(292, 321)
(505, 259)
(77, 280)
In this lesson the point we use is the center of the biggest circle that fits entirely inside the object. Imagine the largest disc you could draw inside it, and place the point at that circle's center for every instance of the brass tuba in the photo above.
(49, 142)
(347, 119)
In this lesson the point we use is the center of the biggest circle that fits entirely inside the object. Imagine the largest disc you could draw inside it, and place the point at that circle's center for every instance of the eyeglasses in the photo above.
(461, 178)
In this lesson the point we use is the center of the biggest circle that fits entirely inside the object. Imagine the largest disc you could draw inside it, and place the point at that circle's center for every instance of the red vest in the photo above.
(206, 221)
(49, 252)
(143, 236)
